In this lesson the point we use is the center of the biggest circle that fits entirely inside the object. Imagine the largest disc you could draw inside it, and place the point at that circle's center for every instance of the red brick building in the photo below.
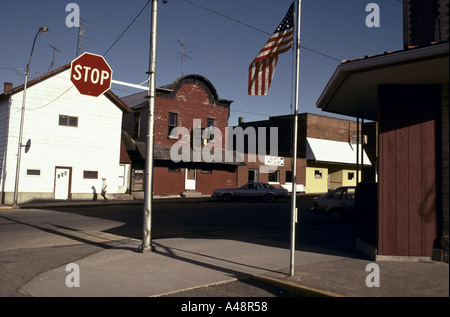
(326, 157)
(189, 100)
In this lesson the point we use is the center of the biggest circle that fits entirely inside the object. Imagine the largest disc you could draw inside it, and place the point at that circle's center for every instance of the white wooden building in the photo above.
(72, 141)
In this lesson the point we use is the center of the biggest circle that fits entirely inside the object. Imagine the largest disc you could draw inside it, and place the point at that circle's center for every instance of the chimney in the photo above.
(7, 87)
(240, 120)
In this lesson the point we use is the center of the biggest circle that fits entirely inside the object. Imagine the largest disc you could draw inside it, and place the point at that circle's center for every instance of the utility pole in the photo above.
(148, 195)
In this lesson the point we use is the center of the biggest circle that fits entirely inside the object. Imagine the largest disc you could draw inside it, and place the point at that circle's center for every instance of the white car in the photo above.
(337, 204)
(252, 190)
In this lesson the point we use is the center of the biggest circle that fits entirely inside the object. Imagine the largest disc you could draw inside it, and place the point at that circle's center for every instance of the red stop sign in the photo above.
(91, 74)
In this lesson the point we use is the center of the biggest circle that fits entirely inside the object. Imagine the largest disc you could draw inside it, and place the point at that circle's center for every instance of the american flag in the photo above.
(262, 69)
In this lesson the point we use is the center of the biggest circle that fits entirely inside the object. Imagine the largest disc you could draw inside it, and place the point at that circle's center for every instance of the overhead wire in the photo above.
(226, 16)
(199, 6)
(255, 28)
(126, 29)
(219, 14)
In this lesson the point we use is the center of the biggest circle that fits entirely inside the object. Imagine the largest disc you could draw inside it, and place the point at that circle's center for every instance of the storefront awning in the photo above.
(336, 152)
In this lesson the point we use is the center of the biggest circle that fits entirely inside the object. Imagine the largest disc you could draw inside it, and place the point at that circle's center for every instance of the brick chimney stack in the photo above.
(7, 87)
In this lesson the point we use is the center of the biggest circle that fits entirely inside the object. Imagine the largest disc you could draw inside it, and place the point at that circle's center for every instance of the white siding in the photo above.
(4, 124)
(94, 145)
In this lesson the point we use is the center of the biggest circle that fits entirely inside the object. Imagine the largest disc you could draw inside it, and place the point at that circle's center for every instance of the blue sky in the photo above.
(220, 49)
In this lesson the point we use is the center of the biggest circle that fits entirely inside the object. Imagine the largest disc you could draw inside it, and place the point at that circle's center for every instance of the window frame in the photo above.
(318, 174)
(172, 127)
(67, 122)
(89, 171)
(210, 124)
(33, 170)
(277, 177)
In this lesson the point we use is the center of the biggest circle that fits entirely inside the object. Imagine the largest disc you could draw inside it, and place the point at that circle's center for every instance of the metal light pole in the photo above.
(148, 195)
(42, 29)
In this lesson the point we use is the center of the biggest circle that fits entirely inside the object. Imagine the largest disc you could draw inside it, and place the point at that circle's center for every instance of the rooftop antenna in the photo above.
(81, 36)
(182, 54)
(53, 64)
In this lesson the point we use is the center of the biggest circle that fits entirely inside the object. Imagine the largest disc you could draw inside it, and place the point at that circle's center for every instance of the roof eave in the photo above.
(369, 63)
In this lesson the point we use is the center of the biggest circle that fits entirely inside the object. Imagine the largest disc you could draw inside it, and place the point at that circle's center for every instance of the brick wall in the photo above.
(329, 128)
(309, 125)
(191, 97)
(190, 102)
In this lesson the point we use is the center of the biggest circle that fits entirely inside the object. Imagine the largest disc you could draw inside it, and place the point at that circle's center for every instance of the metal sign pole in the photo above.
(294, 213)
(148, 196)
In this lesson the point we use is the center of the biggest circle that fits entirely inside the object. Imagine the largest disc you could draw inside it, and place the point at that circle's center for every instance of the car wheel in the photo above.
(226, 197)
(336, 216)
(269, 198)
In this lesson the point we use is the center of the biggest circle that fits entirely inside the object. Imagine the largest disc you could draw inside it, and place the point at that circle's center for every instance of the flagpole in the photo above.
(294, 213)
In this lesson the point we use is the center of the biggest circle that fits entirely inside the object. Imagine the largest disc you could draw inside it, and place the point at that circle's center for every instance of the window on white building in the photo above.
(68, 121)
(33, 172)
(90, 174)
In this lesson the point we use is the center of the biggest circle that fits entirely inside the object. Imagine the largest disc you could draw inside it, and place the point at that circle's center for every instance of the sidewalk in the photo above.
(182, 263)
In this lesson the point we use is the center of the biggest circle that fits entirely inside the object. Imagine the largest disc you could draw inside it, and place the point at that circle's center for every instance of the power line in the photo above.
(227, 17)
(219, 14)
(126, 29)
(319, 53)
(51, 101)
(254, 113)
(257, 29)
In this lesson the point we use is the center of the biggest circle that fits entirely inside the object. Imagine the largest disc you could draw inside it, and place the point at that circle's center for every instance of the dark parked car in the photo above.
(337, 204)
(252, 190)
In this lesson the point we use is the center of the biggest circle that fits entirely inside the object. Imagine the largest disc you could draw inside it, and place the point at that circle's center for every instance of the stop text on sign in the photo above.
(91, 74)
(94, 76)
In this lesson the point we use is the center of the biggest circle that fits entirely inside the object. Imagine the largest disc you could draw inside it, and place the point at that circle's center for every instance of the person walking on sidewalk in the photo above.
(104, 186)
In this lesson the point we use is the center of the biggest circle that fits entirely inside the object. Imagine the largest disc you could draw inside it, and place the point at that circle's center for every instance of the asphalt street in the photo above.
(34, 240)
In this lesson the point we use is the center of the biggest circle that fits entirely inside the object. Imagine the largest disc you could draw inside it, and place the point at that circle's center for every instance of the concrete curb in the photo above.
(296, 289)
(100, 203)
